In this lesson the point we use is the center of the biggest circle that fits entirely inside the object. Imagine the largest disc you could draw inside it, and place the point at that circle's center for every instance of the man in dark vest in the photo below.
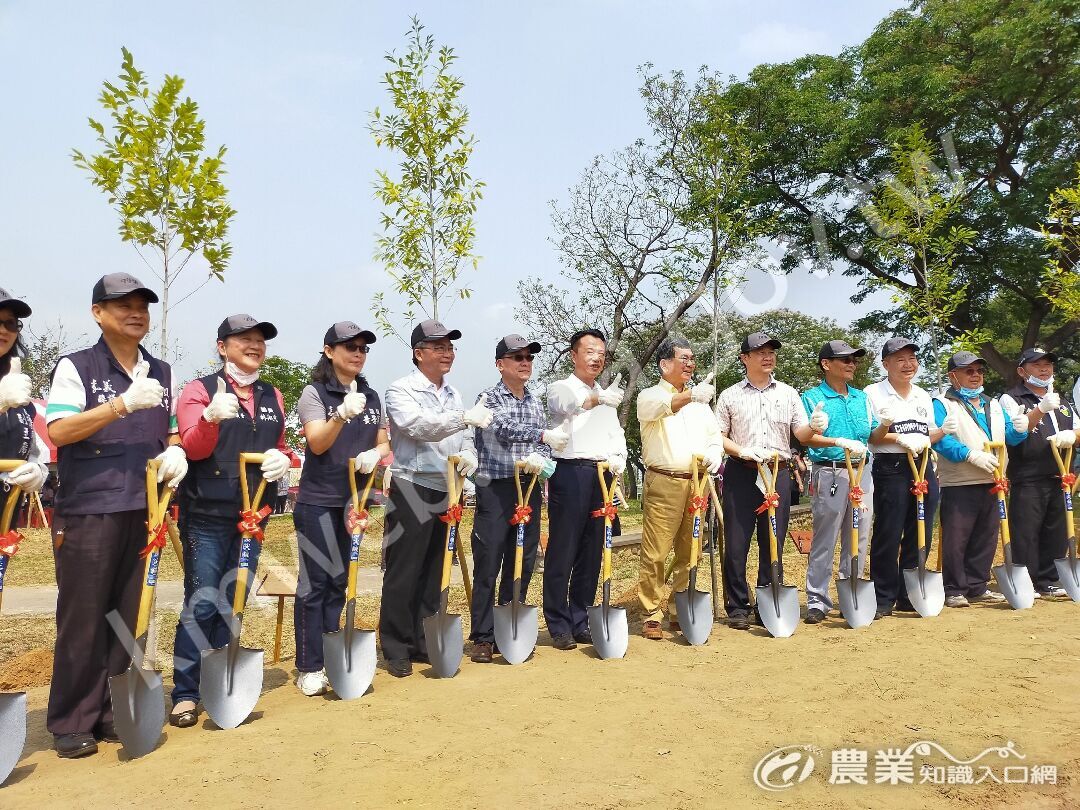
(110, 410)
(1036, 505)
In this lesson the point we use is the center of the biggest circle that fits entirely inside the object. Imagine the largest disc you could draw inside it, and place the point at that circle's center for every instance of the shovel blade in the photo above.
(1068, 571)
(516, 643)
(780, 615)
(226, 708)
(858, 608)
(695, 612)
(348, 682)
(445, 643)
(929, 598)
(138, 701)
(610, 637)
(12, 731)
(1014, 582)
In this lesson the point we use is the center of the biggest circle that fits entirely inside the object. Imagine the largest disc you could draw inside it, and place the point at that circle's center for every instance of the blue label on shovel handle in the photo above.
(3, 568)
(521, 535)
(1001, 509)
(855, 517)
(354, 549)
(920, 510)
(151, 571)
(452, 544)
(245, 552)
(607, 537)
(697, 525)
(772, 520)
(1068, 501)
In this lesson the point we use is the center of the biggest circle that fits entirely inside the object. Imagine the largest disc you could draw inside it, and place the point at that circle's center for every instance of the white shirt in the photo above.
(595, 434)
(761, 417)
(915, 414)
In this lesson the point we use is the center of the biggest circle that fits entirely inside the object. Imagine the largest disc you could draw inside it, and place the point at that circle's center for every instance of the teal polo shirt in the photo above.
(850, 417)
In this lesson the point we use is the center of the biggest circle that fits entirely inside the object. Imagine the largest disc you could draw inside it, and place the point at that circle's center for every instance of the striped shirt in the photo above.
(761, 417)
(515, 431)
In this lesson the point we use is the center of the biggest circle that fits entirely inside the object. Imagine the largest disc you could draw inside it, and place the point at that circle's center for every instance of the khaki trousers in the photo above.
(666, 523)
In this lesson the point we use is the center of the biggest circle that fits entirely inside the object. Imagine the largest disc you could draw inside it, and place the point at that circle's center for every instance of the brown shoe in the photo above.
(652, 631)
(481, 652)
(674, 626)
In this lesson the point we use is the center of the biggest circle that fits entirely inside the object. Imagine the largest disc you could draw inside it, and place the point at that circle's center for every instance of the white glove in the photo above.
(704, 391)
(223, 406)
(616, 464)
(758, 454)
(613, 394)
(714, 459)
(366, 461)
(885, 416)
(479, 415)
(951, 425)
(987, 462)
(558, 438)
(467, 462)
(353, 405)
(1050, 401)
(29, 477)
(1020, 423)
(819, 420)
(534, 463)
(275, 465)
(144, 392)
(14, 387)
(855, 448)
(914, 443)
(1063, 439)
(174, 466)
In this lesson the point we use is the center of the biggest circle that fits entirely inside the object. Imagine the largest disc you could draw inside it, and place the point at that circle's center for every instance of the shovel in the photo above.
(716, 539)
(516, 624)
(1013, 581)
(925, 589)
(1068, 568)
(138, 698)
(445, 641)
(12, 704)
(349, 654)
(857, 596)
(781, 617)
(232, 677)
(607, 624)
(694, 607)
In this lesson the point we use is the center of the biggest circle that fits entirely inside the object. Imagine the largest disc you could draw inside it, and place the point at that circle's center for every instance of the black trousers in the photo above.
(1037, 528)
(741, 499)
(98, 576)
(575, 547)
(969, 536)
(494, 542)
(415, 542)
(894, 544)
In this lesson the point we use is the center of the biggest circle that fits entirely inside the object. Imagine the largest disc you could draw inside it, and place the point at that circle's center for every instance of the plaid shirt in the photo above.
(514, 432)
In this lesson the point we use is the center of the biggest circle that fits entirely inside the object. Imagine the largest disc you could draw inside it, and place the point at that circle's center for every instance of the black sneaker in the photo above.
(584, 637)
(73, 746)
(739, 621)
(481, 652)
(399, 667)
(882, 613)
(815, 616)
(563, 643)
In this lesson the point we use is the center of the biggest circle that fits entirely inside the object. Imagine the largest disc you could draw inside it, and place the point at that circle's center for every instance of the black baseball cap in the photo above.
(580, 333)
(432, 330)
(963, 360)
(16, 305)
(1035, 353)
(117, 285)
(896, 344)
(757, 340)
(235, 324)
(839, 348)
(514, 343)
(344, 331)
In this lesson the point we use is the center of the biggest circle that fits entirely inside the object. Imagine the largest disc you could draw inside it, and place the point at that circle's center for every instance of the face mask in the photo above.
(1040, 383)
(239, 376)
(970, 393)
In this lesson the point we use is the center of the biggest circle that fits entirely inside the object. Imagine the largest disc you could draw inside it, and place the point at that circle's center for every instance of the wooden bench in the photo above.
(279, 582)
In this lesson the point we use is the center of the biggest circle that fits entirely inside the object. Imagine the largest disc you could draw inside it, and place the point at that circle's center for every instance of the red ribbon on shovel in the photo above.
(1067, 481)
(608, 510)
(856, 494)
(453, 514)
(356, 521)
(1000, 485)
(921, 488)
(156, 541)
(522, 514)
(772, 499)
(698, 503)
(249, 522)
(9, 542)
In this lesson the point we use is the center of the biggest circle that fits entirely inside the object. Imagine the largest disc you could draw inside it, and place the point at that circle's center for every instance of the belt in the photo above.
(578, 462)
(683, 475)
(785, 463)
(836, 465)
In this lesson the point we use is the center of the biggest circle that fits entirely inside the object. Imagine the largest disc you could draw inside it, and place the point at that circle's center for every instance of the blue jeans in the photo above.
(211, 553)
(324, 545)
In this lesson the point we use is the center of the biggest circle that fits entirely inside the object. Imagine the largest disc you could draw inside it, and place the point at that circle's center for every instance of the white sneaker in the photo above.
(311, 683)
(957, 601)
(988, 596)
(1051, 592)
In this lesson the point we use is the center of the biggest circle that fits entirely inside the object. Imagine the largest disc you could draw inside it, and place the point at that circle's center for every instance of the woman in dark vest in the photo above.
(220, 416)
(110, 410)
(342, 420)
(17, 437)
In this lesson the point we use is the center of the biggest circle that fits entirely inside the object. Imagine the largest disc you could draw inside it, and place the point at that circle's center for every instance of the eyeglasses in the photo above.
(519, 358)
(439, 349)
(845, 360)
(12, 324)
(356, 347)
(685, 361)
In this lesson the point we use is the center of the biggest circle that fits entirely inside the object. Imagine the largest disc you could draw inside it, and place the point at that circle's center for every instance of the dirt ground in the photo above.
(668, 726)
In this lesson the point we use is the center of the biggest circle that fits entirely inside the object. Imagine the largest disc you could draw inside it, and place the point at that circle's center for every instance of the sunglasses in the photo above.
(845, 360)
(520, 358)
(12, 324)
(355, 347)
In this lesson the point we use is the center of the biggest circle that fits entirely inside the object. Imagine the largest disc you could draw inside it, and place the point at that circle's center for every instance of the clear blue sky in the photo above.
(288, 87)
